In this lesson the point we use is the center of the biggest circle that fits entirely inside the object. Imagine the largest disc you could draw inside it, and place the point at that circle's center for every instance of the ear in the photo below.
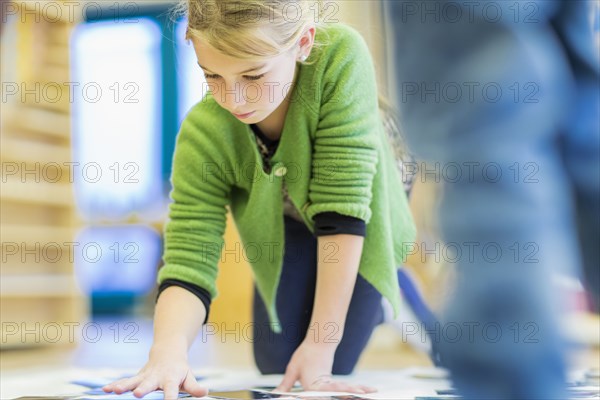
(306, 41)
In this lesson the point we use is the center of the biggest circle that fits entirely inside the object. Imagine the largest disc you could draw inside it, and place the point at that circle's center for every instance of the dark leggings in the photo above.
(294, 301)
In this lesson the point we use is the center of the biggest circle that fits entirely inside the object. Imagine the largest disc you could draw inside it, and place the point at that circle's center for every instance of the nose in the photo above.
(232, 97)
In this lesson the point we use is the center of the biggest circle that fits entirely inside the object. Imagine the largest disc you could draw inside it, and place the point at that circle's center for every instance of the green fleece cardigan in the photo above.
(333, 156)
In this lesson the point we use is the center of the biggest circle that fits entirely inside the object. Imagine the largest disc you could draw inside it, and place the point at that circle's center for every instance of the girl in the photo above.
(290, 139)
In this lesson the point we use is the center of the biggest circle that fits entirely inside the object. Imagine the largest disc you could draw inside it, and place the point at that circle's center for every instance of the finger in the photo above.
(288, 381)
(367, 389)
(171, 390)
(145, 387)
(191, 386)
(337, 386)
(122, 385)
(109, 387)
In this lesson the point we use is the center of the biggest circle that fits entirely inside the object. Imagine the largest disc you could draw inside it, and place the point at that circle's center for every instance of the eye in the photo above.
(250, 78)
(254, 78)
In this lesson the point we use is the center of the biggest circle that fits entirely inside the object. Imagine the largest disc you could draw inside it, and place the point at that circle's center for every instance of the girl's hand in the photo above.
(162, 371)
(311, 364)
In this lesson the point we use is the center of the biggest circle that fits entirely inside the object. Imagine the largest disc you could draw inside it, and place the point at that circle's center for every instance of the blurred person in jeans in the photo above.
(505, 95)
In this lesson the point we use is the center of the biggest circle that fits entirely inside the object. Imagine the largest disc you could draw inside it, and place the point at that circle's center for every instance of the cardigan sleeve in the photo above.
(345, 146)
(197, 214)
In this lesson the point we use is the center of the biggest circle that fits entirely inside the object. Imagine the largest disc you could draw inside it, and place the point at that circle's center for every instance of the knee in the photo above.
(268, 364)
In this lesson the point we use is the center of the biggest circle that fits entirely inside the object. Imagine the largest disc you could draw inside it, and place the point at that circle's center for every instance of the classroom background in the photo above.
(92, 97)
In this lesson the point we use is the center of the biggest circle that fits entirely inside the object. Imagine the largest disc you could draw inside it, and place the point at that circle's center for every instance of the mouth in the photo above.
(244, 116)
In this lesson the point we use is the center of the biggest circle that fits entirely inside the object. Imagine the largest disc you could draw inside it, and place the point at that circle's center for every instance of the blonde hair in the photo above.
(252, 29)
(258, 29)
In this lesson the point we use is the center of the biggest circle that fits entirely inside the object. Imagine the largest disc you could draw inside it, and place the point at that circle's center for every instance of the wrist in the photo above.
(178, 347)
(326, 337)
(324, 346)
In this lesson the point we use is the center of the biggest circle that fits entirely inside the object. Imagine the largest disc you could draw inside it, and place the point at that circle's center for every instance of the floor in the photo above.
(115, 346)
(112, 346)
(110, 341)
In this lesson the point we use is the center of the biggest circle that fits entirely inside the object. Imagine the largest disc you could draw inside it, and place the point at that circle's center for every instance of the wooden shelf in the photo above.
(50, 194)
(36, 119)
(36, 234)
(39, 215)
(39, 286)
(16, 266)
(18, 149)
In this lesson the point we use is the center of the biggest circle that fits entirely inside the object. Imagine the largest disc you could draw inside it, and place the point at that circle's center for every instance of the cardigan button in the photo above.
(280, 171)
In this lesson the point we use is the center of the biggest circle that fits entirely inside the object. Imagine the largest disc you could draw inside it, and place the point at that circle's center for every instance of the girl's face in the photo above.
(249, 90)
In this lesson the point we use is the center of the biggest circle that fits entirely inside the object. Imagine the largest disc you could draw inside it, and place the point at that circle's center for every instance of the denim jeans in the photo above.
(503, 96)
(294, 302)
